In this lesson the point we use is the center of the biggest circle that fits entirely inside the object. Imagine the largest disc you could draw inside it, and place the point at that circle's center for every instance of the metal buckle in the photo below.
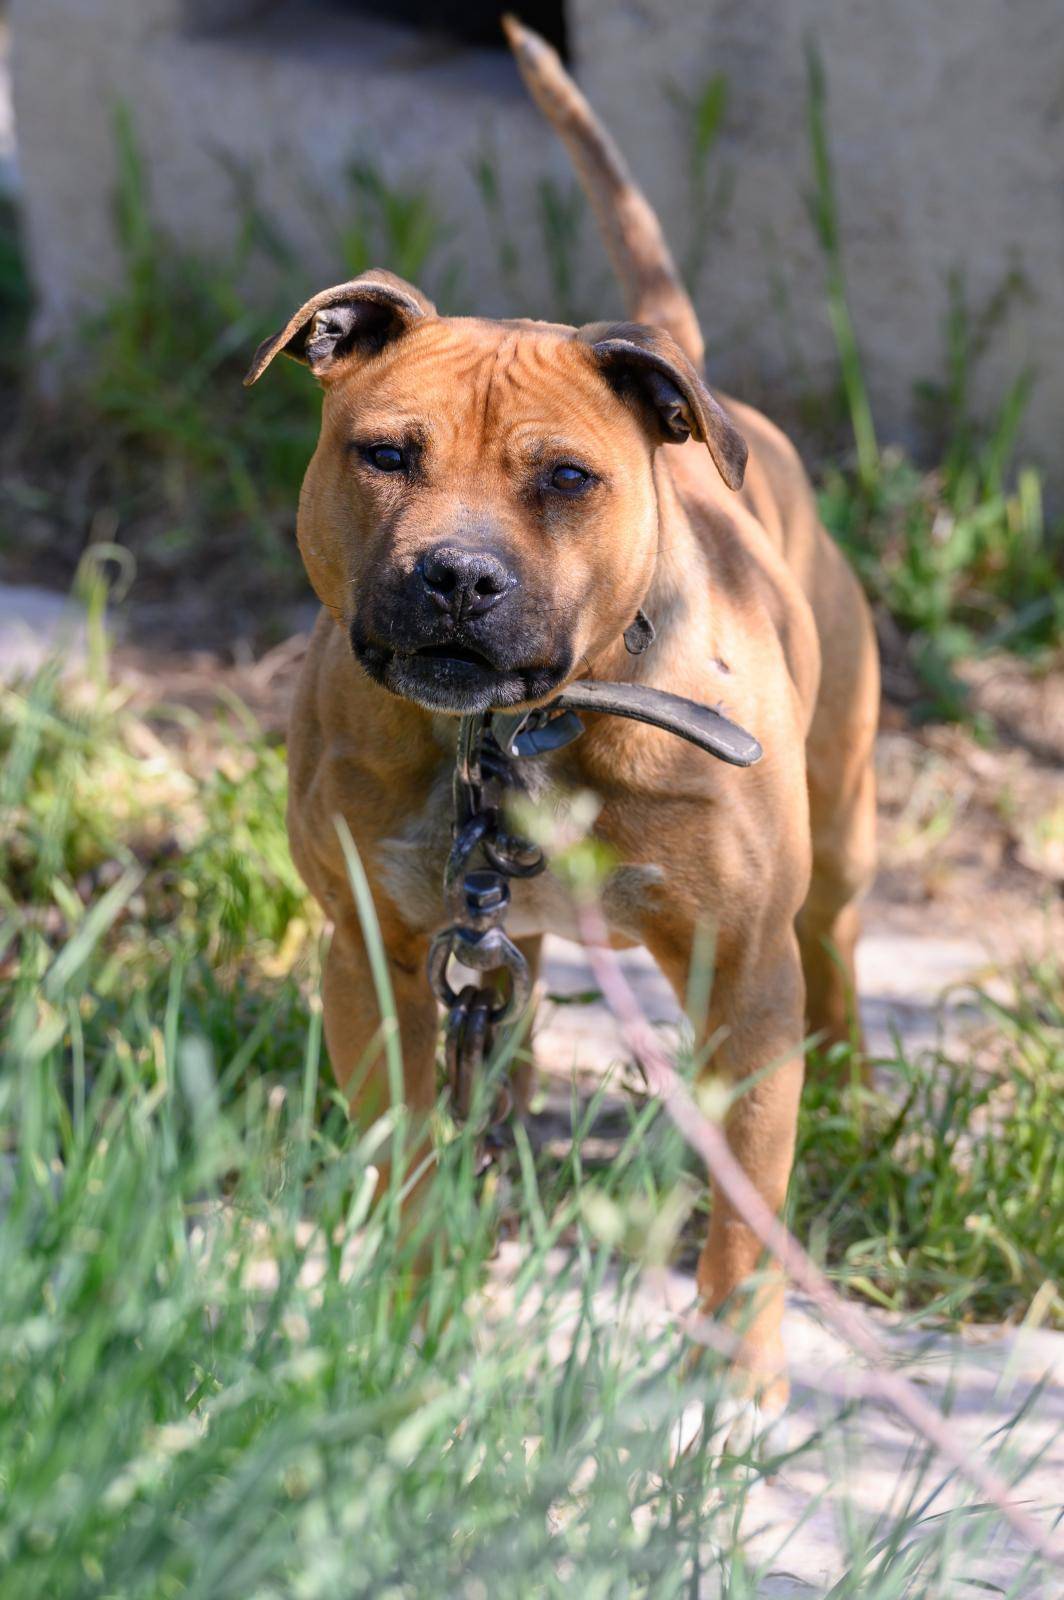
(535, 733)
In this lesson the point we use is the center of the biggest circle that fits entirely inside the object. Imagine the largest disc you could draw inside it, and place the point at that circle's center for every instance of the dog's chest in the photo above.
(410, 866)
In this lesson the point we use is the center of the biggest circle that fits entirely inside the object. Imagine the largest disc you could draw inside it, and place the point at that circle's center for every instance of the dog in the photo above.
(489, 506)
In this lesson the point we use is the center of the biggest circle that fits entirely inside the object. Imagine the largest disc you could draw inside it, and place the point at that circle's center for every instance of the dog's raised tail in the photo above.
(633, 237)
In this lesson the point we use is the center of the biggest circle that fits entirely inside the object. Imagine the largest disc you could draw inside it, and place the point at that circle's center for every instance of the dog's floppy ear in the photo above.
(638, 359)
(364, 314)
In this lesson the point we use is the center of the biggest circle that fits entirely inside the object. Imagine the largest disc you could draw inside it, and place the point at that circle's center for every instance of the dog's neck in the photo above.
(678, 599)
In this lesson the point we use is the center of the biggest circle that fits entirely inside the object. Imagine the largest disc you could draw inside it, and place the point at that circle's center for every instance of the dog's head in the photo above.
(480, 512)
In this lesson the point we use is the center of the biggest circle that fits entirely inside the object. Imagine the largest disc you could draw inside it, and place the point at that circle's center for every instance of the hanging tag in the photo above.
(639, 634)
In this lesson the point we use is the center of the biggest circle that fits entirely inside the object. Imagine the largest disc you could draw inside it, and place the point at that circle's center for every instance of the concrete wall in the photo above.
(947, 131)
(946, 122)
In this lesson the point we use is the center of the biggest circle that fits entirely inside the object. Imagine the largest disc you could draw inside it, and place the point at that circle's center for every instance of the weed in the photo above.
(165, 356)
(150, 443)
(399, 226)
(823, 211)
(88, 790)
(16, 296)
(703, 116)
(948, 1193)
(485, 171)
(961, 557)
(220, 1372)
(561, 215)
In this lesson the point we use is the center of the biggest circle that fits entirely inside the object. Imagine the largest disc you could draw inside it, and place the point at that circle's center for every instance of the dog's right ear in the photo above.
(361, 316)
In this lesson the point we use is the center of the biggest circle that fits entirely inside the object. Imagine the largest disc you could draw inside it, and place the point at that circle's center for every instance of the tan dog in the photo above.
(489, 505)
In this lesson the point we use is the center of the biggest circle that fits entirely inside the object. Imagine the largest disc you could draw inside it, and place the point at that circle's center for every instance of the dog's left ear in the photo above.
(363, 315)
(639, 359)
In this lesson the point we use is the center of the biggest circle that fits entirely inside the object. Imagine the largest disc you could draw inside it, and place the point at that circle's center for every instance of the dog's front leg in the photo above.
(758, 1010)
(355, 1031)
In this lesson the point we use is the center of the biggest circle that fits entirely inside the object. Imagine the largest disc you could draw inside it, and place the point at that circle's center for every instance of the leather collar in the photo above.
(532, 733)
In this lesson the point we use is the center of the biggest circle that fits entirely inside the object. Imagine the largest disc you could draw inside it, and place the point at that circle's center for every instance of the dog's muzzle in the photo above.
(460, 632)
(455, 675)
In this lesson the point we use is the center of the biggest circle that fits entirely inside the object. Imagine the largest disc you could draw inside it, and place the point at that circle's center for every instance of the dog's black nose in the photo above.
(464, 582)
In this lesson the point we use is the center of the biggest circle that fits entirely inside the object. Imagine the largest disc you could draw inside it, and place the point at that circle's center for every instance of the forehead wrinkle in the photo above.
(570, 418)
(490, 389)
(470, 371)
(579, 385)
(424, 354)
(394, 399)
(535, 441)
(541, 412)
(495, 386)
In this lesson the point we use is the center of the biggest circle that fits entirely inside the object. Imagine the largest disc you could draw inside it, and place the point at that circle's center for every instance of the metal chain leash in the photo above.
(477, 899)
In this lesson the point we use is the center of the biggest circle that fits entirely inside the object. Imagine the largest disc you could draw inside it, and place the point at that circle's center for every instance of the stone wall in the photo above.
(946, 123)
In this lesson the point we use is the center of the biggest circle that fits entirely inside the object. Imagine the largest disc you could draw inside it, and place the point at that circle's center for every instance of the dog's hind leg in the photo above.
(842, 814)
(829, 922)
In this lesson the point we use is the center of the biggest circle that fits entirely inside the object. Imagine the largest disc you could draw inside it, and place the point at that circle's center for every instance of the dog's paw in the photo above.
(738, 1430)
(748, 1428)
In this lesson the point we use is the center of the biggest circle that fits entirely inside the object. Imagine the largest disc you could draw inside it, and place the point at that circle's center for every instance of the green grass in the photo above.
(220, 1375)
(711, 190)
(167, 352)
(217, 1379)
(824, 216)
(16, 295)
(947, 1193)
(962, 556)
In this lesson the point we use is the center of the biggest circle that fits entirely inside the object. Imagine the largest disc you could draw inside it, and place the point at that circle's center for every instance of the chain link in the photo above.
(477, 899)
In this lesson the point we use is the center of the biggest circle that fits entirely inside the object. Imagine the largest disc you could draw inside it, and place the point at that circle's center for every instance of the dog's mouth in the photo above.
(466, 655)
(455, 677)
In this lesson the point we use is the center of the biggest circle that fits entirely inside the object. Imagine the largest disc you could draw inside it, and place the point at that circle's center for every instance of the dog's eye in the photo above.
(385, 457)
(569, 479)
